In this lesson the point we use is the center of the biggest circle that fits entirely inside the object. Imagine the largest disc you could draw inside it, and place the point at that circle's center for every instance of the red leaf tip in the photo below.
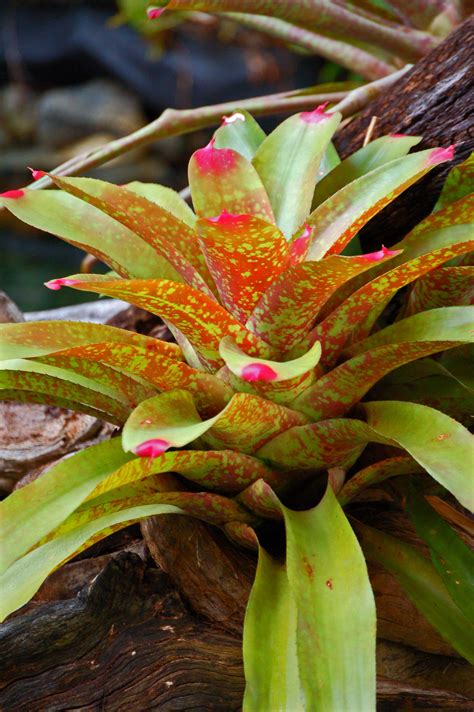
(152, 448)
(438, 155)
(299, 246)
(258, 372)
(380, 254)
(56, 284)
(226, 218)
(398, 135)
(36, 175)
(153, 13)
(13, 194)
(215, 161)
(318, 114)
(232, 118)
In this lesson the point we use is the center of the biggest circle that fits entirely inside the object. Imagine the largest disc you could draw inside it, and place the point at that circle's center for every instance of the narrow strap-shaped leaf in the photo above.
(339, 218)
(21, 581)
(338, 328)
(245, 255)
(458, 213)
(9, 394)
(155, 225)
(445, 286)
(288, 161)
(84, 226)
(30, 339)
(171, 420)
(240, 132)
(335, 605)
(422, 584)
(222, 179)
(452, 559)
(366, 159)
(200, 318)
(416, 337)
(287, 310)
(34, 377)
(270, 634)
(458, 184)
(376, 473)
(437, 442)
(31, 512)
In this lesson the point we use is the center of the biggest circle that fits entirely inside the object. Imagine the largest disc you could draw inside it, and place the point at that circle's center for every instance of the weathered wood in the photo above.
(435, 100)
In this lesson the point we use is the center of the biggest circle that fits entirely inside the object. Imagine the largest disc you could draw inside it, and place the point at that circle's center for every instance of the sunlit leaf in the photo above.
(240, 132)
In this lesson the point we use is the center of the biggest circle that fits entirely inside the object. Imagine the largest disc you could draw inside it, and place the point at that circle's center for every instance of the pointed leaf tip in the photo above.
(152, 448)
(214, 160)
(300, 244)
(36, 175)
(258, 372)
(317, 115)
(439, 155)
(232, 118)
(225, 218)
(13, 194)
(153, 13)
(56, 284)
(380, 254)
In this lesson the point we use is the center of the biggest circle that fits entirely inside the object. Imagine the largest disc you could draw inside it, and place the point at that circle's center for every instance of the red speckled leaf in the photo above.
(339, 218)
(336, 331)
(200, 318)
(458, 183)
(245, 255)
(446, 286)
(407, 340)
(155, 225)
(287, 310)
(460, 212)
(41, 338)
(376, 473)
(222, 179)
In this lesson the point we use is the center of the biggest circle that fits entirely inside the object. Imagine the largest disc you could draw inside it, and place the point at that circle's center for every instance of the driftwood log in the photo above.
(164, 632)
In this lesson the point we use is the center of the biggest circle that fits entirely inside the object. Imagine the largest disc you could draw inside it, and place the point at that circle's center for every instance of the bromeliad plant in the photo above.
(283, 338)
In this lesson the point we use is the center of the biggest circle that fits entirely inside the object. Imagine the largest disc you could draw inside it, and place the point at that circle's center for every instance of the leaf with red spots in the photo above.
(84, 226)
(366, 159)
(222, 179)
(171, 420)
(289, 307)
(56, 385)
(423, 585)
(200, 318)
(344, 323)
(318, 612)
(375, 474)
(156, 226)
(240, 132)
(446, 286)
(288, 161)
(339, 219)
(418, 336)
(244, 255)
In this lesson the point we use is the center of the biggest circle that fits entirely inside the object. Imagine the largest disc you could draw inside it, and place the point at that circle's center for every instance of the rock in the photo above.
(69, 114)
(9, 312)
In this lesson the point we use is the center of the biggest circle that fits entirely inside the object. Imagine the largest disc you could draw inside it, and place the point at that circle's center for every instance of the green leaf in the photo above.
(366, 159)
(83, 225)
(29, 513)
(335, 605)
(288, 161)
(441, 445)
(240, 132)
(452, 559)
(222, 180)
(445, 286)
(339, 218)
(423, 585)
(458, 184)
(270, 634)
(166, 198)
(239, 363)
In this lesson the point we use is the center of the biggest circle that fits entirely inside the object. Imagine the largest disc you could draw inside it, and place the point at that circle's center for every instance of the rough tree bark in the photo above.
(130, 640)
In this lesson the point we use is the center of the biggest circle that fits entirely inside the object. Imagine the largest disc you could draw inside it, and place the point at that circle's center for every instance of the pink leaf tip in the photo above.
(398, 135)
(56, 284)
(233, 118)
(36, 175)
(299, 246)
(438, 155)
(380, 254)
(318, 114)
(153, 13)
(226, 218)
(258, 372)
(152, 448)
(215, 161)
(13, 194)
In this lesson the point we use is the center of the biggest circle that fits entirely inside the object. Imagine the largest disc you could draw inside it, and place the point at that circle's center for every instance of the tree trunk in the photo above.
(137, 638)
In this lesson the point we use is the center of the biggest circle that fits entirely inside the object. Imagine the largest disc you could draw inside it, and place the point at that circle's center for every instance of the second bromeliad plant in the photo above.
(289, 354)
